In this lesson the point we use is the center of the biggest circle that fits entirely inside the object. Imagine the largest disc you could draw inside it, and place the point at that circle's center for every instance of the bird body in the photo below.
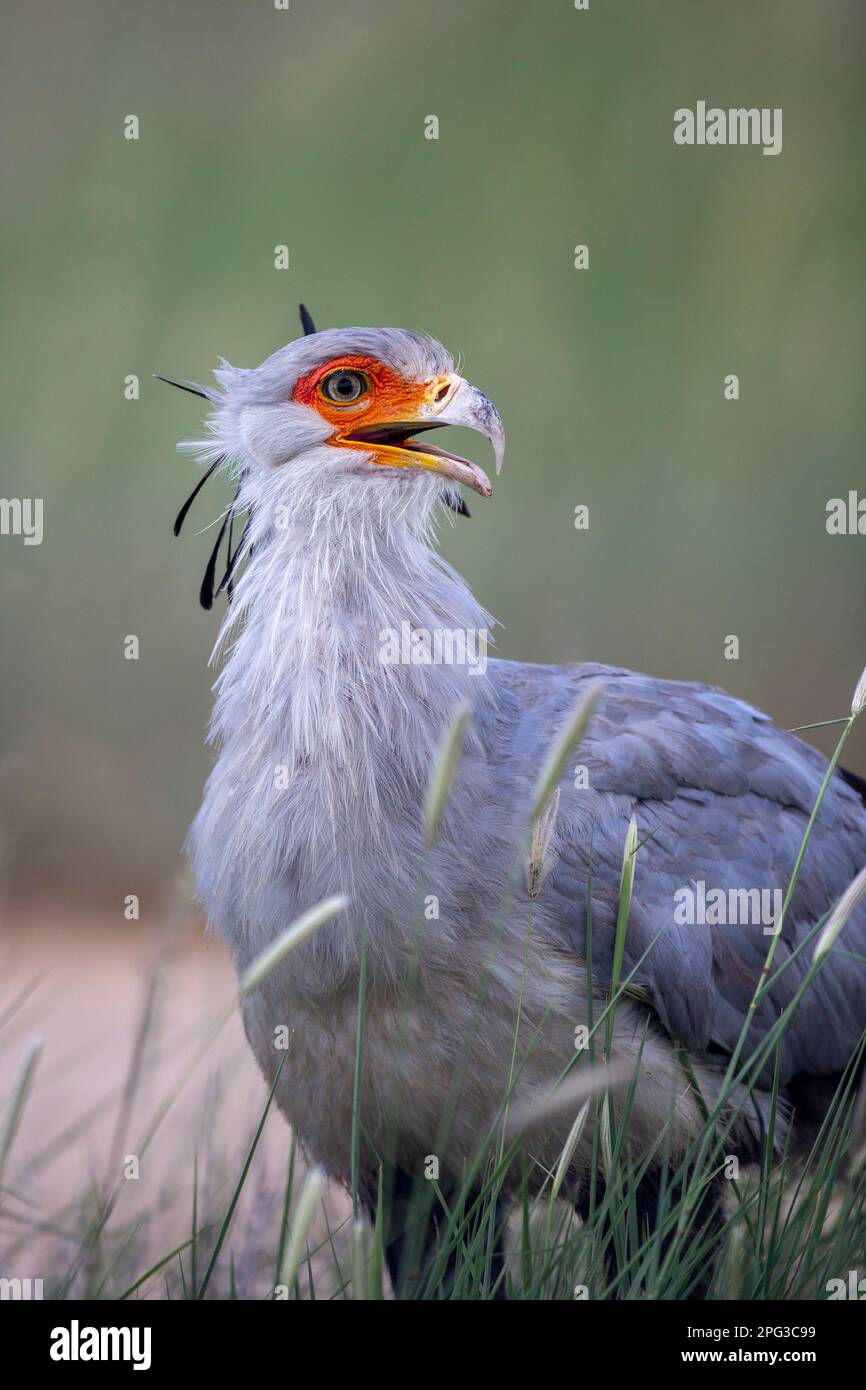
(325, 756)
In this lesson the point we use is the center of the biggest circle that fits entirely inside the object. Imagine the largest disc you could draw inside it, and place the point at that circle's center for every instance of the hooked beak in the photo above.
(458, 403)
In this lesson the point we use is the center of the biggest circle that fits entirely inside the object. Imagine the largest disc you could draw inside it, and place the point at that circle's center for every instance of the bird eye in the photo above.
(344, 387)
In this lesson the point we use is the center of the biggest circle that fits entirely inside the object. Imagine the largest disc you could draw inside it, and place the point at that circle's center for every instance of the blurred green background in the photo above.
(306, 127)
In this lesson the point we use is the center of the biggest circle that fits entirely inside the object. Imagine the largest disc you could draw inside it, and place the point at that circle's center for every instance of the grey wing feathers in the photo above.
(722, 798)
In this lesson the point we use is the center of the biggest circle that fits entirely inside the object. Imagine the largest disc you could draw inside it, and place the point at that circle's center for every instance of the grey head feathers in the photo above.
(408, 353)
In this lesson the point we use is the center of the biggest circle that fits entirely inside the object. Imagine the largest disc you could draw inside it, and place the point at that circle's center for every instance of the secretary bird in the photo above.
(325, 756)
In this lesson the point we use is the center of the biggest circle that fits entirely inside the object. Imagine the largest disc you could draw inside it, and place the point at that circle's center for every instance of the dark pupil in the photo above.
(346, 386)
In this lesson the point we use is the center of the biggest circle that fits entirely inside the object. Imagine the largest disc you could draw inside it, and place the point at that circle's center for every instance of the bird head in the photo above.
(335, 417)
(348, 403)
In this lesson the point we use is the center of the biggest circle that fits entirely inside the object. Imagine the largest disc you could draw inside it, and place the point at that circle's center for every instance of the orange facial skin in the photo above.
(381, 422)
(390, 399)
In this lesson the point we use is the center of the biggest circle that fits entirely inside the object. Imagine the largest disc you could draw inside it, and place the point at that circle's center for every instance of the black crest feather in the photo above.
(306, 319)
(182, 386)
(181, 516)
(207, 592)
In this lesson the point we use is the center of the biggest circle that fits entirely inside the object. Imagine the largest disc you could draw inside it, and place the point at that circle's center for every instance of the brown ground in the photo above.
(90, 989)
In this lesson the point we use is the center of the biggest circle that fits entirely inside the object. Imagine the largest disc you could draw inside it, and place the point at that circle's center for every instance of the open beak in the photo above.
(393, 445)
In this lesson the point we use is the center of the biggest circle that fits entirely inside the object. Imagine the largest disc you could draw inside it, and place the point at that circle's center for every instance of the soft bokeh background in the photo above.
(306, 127)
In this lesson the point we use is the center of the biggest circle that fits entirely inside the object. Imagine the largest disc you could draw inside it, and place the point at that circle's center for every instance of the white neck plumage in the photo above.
(330, 705)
